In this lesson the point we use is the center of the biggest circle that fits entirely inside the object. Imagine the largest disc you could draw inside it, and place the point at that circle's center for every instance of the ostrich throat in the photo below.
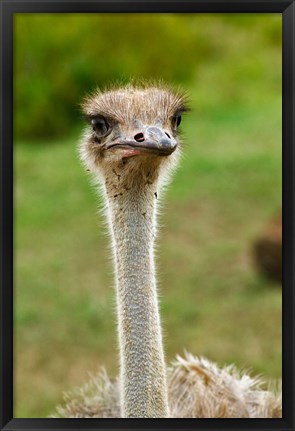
(132, 215)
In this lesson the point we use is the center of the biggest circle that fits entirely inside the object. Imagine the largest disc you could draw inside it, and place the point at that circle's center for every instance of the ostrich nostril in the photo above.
(168, 135)
(139, 137)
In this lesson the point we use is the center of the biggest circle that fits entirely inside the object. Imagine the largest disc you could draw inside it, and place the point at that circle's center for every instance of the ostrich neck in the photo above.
(143, 375)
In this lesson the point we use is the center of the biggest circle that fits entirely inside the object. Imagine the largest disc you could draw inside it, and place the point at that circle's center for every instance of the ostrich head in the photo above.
(134, 131)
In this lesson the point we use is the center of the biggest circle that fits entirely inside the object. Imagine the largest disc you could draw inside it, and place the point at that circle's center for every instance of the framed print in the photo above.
(147, 189)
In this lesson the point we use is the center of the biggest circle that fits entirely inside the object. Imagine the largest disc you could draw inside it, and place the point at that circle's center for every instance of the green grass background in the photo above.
(213, 301)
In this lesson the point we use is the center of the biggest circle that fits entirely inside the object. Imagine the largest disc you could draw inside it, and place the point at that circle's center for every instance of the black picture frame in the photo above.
(7, 9)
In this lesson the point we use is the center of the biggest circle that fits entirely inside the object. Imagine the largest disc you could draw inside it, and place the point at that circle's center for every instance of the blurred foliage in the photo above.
(61, 57)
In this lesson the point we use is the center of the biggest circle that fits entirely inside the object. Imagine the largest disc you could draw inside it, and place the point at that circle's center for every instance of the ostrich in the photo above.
(132, 145)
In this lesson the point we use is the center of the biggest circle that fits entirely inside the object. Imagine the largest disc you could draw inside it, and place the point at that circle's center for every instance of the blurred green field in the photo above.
(213, 302)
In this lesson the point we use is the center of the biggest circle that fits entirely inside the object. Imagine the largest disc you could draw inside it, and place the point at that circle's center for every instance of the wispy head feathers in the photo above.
(147, 101)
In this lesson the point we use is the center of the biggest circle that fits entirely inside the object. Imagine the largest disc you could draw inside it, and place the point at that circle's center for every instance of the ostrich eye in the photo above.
(176, 120)
(100, 126)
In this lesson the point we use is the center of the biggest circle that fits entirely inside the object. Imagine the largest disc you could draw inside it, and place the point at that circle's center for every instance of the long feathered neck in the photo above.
(132, 216)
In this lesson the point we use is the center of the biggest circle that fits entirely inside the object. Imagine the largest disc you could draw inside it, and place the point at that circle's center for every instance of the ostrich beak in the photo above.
(153, 140)
(159, 141)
